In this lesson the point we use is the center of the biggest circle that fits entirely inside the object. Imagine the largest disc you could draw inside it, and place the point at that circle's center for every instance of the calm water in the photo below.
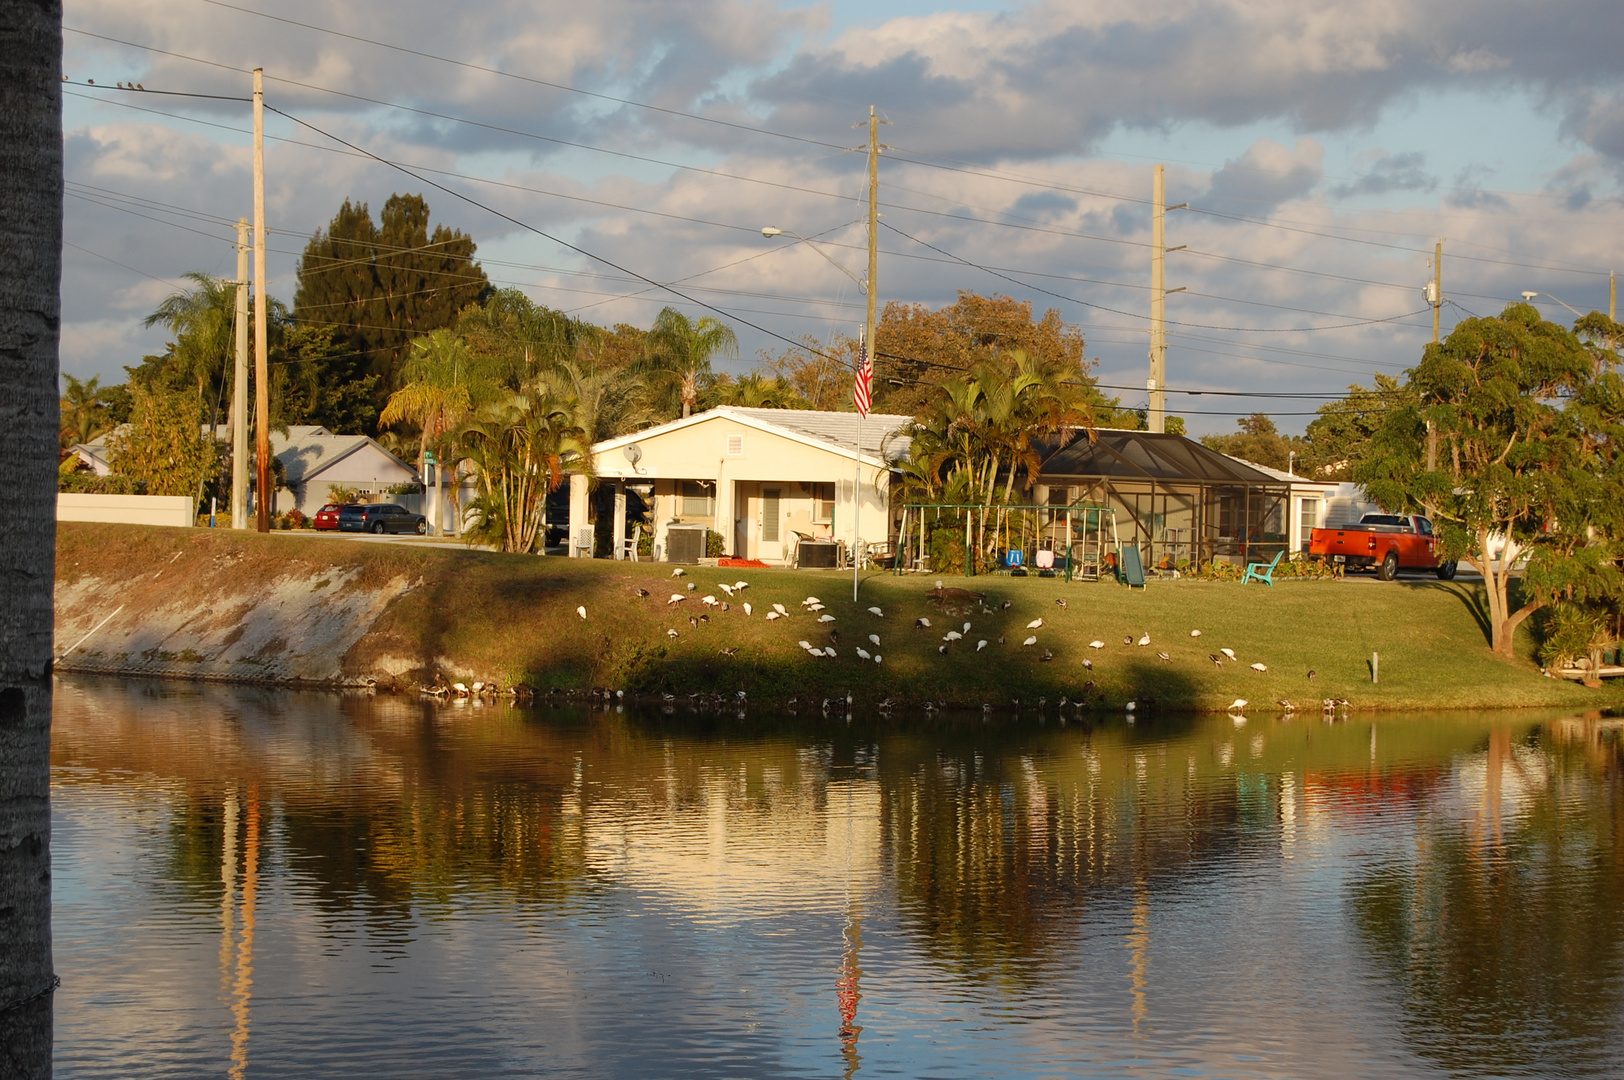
(269, 884)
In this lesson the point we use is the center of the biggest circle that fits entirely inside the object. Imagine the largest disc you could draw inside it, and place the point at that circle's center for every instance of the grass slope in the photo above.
(512, 619)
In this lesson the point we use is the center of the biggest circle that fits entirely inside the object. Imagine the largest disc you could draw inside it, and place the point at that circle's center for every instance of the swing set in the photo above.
(1077, 541)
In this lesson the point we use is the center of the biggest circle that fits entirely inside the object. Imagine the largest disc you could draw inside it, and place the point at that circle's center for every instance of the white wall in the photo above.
(127, 509)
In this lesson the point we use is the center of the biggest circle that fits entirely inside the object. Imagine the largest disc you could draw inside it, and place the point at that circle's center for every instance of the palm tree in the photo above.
(440, 393)
(755, 391)
(83, 410)
(203, 320)
(680, 353)
(30, 429)
(519, 447)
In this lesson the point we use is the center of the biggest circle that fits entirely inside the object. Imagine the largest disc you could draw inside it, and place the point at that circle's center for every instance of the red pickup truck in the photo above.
(1389, 542)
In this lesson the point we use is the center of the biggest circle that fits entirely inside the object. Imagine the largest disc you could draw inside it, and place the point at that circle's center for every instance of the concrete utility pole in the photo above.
(239, 390)
(262, 388)
(1157, 385)
(1437, 300)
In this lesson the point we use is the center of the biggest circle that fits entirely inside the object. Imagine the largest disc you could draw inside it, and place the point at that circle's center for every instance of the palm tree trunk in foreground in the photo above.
(30, 309)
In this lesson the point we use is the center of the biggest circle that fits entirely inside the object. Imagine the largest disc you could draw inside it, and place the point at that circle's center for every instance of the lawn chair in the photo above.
(1263, 572)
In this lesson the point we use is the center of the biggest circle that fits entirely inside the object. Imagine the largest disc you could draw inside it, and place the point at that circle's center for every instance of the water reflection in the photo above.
(495, 891)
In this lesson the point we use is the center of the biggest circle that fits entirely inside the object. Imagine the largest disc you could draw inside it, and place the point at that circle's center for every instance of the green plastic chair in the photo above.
(1263, 572)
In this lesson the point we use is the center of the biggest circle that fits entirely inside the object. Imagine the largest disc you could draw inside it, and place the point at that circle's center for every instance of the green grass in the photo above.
(512, 619)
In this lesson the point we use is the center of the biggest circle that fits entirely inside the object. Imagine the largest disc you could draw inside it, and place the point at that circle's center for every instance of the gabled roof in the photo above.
(305, 451)
(833, 431)
(1145, 455)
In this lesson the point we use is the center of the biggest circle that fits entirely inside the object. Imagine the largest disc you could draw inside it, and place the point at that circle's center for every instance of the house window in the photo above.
(735, 446)
(696, 499)
(1307, 520)
(823, 503)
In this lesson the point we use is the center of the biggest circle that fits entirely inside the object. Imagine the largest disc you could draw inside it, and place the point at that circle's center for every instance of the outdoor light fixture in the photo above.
(770, 231)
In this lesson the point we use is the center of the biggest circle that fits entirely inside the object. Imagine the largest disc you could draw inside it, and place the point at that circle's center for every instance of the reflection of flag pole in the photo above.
(244, 989)
(847, 990)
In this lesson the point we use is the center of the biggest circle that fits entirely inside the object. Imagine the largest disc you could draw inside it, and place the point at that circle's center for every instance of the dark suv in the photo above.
(380, 518)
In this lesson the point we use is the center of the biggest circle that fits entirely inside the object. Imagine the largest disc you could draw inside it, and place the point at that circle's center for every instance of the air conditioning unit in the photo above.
(685, 543)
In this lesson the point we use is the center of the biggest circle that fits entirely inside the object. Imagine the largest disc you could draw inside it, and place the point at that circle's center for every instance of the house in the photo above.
(1316, 504)
(314, 459)
(766, 479)
(1175, 499)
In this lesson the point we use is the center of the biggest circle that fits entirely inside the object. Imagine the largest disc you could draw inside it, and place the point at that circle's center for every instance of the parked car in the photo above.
(380, 518)
(327, 516)
(1389, 542)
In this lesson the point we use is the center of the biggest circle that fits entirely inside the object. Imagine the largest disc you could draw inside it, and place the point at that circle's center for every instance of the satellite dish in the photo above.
(634, 454)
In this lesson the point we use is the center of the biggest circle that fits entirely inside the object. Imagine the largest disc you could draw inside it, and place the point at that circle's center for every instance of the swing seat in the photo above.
(1043, 559)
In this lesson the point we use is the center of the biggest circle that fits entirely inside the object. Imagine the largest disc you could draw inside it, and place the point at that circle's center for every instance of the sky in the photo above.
(616, 157)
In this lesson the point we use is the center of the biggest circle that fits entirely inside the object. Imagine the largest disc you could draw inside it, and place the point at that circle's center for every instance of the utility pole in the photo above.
(868, 341)
(1436, 297)
(262, 388)
(1612, 297)
(239, 390)
(1157, 416)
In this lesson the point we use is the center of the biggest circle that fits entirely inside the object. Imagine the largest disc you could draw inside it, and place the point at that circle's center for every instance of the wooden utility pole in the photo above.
(239, 390)
(1612, 297)
(262, 388)
(1437, 301)
(868, 344)
(1157, 385)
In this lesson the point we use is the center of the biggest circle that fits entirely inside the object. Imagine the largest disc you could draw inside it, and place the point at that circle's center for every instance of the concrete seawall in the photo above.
(212, 611)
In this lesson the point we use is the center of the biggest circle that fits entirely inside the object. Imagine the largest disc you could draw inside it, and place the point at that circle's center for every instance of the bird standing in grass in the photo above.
(1060, 602)
(1195, 633)
(748, 610)
(921, 623)
(1238, 704)
(581, 611)
(1096, 644)
(1144, 639)
(1216, 659)
(875, 638)
(676, 598)
(1035, 624)
(1260, 668)
(876, 612)
(1031, 640)
(1228, 652)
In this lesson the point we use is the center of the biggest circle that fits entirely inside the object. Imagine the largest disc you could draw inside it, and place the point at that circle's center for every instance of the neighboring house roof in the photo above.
(306, 451)
(1284, 477)
(835, 431)
(1146, 455)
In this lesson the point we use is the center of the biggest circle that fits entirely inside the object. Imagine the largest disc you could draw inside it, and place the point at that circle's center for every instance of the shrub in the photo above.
(88, 483)
(297, 520)
(715, 545)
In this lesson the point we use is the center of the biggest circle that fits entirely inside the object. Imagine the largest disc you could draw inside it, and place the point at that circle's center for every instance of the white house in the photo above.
(316, 461)
(1317, 504)
(766, 479)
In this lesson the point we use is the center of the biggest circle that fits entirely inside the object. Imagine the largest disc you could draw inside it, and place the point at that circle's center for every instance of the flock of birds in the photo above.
(956, 636)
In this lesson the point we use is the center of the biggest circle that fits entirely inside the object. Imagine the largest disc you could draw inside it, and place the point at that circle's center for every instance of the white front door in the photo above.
(770, 525)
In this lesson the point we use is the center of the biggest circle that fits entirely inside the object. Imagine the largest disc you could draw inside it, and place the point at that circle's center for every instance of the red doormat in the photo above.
(741, 562)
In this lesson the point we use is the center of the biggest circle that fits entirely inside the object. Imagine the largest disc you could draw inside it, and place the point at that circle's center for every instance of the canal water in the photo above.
(255, 884)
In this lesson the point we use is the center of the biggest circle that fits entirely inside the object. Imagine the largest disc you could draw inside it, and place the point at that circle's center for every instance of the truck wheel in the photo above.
(1446, 571)
(1388, 570)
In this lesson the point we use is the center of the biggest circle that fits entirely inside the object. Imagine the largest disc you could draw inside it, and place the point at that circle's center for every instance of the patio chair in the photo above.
(1263, 572)
(628, 548)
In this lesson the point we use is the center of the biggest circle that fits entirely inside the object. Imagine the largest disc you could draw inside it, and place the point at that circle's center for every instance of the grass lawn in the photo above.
(513, 619)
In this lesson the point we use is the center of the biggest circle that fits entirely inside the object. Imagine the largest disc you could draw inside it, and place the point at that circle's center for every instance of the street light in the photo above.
(770, 231)
(1529, 296)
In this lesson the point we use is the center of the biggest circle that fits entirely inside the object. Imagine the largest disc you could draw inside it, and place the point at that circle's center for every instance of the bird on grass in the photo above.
(642, 594)
(693, 621)
(875, 638)
(863, 654)
(809, 601)
(876, 612)
(982, 644)
(1007, 604)
(966, 628)
(741, 584)
(581, 611)
(725, 587)
(781, 609)
(1046, 657)
(1228, 652)
(1164, 656)
(952, 635)
(726, 606)
(921, 623)
(877, 658)
(1238, 704)
(676, 598)
(771, 615)
(834, 637)
(1060, 602)
(1195, 633)
(942, 649)
(748, 610)
(1311, 676)
(1286, 705)
(1031, 640)
(728, 652)
(692, 586)
(1127, 641)
(1096, 644)
(826, 618)
(1216, 659)
(1035, 624)
(678, 572)
(1144, 639)
(672, 634)
(1088, 665)
(1260, 668)
(709, 601)
(1000, 639)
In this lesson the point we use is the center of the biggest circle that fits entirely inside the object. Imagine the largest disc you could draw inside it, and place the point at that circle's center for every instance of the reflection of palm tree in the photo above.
(680, 352)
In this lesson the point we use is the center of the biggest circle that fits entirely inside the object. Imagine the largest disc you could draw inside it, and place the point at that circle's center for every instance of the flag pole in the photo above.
(857, 477)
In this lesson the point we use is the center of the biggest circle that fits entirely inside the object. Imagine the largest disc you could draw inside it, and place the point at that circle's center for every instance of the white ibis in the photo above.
(1228, 652)
(921, 623)
(741, 584)
(876, 612)
(748, 610)
(771, 615)
(982, 644)
(1238, 704)
(809, 601)
(826, 617)
(1164, 656)
(1195, 633)
(952, 635)
(1144, 639)
(1035, 624)
(676, 598)
(678, 572)
(672, 634)
(863, 654)
(1260, 667)
(581, 611)
(875, 638)
(725, 587)
(1096, 644)
(1031, 640)
(807, 645)
(781, 609)
(710, 601)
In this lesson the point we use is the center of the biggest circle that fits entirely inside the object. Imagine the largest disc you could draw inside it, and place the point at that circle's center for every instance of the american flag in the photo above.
(864, 385)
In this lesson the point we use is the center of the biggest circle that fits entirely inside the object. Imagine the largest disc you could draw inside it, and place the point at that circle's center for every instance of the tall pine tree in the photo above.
(379, 285)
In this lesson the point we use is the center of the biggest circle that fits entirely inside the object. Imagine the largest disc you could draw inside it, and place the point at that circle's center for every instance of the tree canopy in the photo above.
(1528, 423)
(381, 284)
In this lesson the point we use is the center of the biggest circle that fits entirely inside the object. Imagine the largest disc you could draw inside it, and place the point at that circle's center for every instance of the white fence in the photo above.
(126, 509)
